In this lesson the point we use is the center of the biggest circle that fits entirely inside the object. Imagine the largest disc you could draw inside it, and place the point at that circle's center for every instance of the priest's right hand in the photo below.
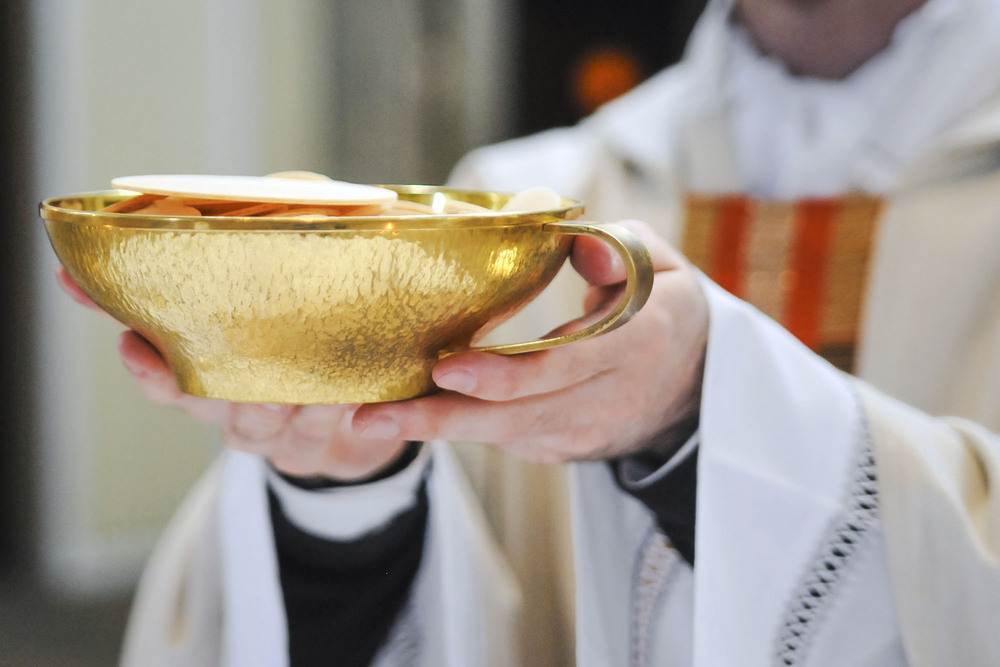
(298, 440)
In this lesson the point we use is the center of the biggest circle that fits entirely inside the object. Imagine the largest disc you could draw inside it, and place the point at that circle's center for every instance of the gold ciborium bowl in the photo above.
(334, 310)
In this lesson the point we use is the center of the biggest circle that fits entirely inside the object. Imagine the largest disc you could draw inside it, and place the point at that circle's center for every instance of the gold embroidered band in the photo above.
(803, 263)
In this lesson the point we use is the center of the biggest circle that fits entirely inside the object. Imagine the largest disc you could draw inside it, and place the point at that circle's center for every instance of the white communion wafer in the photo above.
(533, 199)
(168, 207)
(258, 189)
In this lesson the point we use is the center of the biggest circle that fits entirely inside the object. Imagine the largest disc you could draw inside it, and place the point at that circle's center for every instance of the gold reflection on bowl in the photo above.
(337, 310)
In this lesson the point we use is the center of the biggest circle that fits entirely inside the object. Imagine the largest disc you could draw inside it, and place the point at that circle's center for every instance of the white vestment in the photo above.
(835, 526)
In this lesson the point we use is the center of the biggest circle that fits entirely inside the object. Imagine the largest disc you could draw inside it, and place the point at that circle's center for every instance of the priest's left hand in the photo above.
(605, 397)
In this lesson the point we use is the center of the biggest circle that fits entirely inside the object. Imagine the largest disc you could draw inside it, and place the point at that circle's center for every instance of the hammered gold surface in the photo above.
(349, 310)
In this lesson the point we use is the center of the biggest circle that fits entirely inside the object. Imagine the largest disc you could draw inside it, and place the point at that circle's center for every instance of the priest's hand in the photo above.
(634, 388)
(302, 441)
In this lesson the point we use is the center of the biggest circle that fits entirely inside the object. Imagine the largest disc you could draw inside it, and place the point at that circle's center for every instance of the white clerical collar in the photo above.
(940, 68)
(798, 136)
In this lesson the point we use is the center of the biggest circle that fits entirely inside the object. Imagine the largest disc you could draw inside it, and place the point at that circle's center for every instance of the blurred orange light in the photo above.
(602, 74)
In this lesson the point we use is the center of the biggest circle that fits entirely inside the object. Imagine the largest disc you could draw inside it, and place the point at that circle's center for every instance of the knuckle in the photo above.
(160, 390)
(240, 444)
(438, 418)
(509, 378)
(442, 414)
(317, 421)
(255, 422)
(533, 419)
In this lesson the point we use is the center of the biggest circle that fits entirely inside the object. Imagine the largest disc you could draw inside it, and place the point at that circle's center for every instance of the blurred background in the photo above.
(361, 90)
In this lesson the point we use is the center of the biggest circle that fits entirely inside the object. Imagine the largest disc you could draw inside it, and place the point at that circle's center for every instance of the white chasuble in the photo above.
(790, 563)
(462, 609)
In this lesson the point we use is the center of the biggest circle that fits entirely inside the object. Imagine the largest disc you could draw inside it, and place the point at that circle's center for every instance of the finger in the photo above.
(252, 424)
(453, 416)
(157, 382)
(148, 368)
(431, 417)
(496, 377)
(600, 264)
(318, 423)
(319, 439)
(271, 431)
(601, 299)
(73, 290)
(139, 355)
(210, 410)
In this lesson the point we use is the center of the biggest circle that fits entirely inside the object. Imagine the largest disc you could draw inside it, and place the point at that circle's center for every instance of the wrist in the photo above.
(665, 444)
(682, 423)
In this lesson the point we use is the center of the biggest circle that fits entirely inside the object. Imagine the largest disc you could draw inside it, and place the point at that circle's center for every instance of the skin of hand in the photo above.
(616, 394)
(302, 441)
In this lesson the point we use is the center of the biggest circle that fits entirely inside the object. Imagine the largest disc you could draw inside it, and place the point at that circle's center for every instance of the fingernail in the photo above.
(271, 411)
(134, 368)
(382, 428)
(460, 381)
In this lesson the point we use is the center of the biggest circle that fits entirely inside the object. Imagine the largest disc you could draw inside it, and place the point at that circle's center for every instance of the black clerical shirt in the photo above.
(343, 598)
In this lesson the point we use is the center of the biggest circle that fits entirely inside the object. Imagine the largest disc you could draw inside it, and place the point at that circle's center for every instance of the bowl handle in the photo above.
(638, 285)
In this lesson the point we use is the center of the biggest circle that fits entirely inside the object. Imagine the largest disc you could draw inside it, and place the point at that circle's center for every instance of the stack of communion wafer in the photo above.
(287, 195)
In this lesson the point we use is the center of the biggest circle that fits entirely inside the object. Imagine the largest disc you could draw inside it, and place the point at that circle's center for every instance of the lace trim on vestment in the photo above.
(827, 570)
(656, 565)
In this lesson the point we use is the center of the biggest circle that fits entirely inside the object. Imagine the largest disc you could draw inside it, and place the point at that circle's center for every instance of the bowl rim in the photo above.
(54, 209)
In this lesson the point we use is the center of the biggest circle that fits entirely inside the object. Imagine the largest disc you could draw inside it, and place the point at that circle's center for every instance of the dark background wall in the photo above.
(558, 36)
(16, 354)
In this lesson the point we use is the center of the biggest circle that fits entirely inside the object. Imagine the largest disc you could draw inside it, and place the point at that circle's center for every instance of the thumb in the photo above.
(601, 265)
